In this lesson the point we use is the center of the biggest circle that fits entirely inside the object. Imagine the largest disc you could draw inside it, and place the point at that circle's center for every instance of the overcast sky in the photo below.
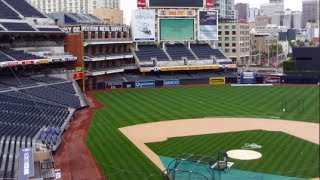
(129, 5)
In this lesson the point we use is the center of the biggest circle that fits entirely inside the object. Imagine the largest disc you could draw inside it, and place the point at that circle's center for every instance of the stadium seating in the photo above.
(49, 29)
(24, 8)
(18, 55)
(116, 79)
(134, 77)
(6, 12)
(4, 58)
(203, 75)
(174, 76)
(204, 51)
(12, 26)
(178, 51)
(17, 82)
(146, 52)
(1, 29)
(23, 116)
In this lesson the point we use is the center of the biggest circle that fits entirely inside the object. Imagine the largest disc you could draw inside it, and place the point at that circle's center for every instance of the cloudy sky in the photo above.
(129, 5)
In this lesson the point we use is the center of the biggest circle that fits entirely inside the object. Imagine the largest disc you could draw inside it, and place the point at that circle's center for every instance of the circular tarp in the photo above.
(244, 154)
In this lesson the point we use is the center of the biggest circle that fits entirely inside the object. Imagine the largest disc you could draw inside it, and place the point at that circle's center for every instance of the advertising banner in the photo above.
(176, 13)
(217, 81)
(172, 82)
(77, 76)
(143, 25)
(189, 68)
(26, 166)
(145, 84)
(209, 4)
(141, 3)
(43, 61)
(272, 80)
(208, 25)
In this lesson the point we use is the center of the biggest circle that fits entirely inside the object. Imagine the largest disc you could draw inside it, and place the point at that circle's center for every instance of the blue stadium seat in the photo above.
(12, 26)
(6, 12)
(19, 55)
(49, 29)
(178, 51)
(204, 51)
(25, 8)
(146, 52)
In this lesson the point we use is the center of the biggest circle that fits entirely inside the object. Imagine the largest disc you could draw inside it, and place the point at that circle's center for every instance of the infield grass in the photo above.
(282, 154)
(120, 159)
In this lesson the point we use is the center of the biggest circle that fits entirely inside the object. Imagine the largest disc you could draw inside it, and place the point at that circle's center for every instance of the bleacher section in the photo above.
(22, 82)
(178, 51)
(204, 51)
(134, 77)
(174, 76)
(116, 79)
(10, 26)
(25, 8)
(4, 58)
(6, 12)
(24, 117)
(202, 75)
(146, 52)
(19, 55)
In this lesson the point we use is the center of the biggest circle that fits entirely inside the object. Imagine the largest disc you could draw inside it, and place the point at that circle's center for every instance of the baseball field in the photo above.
(119, 158)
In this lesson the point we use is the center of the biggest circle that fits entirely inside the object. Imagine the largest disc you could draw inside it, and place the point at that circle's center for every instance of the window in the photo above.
(226, 38)
(234, 38)
(93, 34)
(234, 32)
(234, 50)
(234, 44)
(219, 32)
(226, 27)
(227, 32)
(226, 44)
(234, 27)
(85, 34)
(226, 50)
(219, 44)
(100, 34)
(219, 38)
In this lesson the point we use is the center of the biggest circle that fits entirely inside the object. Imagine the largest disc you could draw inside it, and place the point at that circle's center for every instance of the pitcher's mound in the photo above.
(244, 154)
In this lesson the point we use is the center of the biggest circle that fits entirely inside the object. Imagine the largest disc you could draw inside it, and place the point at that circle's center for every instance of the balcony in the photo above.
(107, 57)
(109, 70)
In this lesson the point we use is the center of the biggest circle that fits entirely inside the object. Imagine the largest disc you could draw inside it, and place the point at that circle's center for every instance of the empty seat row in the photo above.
(24, 8)
(48, 79)
(15, 26)
(18, 54)
(17, 81)
(204, 51)
(178, 51)
(6, 12)
(67, 87)
(146, 52)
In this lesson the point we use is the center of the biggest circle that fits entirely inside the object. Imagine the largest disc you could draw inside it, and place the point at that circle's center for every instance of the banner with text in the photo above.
(145, 84)
(141, 3)
(143, 25)
(217, 81)
(208, 25)
(172, 82)
(176, 12)
(209, 4)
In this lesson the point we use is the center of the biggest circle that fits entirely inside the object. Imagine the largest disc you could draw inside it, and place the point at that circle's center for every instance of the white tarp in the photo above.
(143, 25)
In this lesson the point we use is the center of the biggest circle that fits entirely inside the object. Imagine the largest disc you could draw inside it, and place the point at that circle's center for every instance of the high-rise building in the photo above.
(287, 19)
(243, 11)
(277, 18)
(75, 6)
(226, 9)
(276, 1)
(253, 13)
(296, 20)
(310, 10)
(234, 41)
(271, 8)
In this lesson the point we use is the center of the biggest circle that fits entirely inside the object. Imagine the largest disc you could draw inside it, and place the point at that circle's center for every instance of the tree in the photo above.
(291, 44)
(274, 49)
(299, 43)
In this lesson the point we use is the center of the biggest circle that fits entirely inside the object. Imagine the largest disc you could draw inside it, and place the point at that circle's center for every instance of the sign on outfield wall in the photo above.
(145, 84)
(92, 28)
(176, 13)
(208, 25)
(143, 25)
(26, 166)
(217, 81)
(172, 82)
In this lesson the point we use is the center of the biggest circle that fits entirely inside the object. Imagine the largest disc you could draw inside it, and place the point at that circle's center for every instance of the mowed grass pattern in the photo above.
(283, 154)
(120, 159)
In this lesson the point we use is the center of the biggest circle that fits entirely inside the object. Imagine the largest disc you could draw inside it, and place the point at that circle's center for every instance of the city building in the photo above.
(277, 18)
(296, 20)
(260, 44)
(109, 16)
(310, 10)
(234, 40)
(226, 9)
(262, 20)
(270, 29)
(243, 11)
(276, 1)
(253, 13)
(287, 19)
(74, 6)
(271, 8)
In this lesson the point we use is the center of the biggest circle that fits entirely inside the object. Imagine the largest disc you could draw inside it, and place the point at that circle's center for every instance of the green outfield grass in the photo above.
(283, 154)
(120, 159)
